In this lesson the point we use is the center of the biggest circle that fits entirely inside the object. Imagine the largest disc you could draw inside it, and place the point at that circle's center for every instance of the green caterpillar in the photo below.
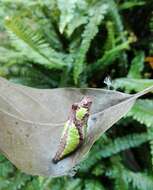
(74, 130)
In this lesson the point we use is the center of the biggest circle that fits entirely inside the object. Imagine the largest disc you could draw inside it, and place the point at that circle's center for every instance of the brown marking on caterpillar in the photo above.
(61, 148)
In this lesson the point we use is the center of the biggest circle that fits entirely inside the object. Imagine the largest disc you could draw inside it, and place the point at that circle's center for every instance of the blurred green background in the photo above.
(85, 43)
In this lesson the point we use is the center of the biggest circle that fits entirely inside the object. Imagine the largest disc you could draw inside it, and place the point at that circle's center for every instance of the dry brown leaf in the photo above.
(31, 122)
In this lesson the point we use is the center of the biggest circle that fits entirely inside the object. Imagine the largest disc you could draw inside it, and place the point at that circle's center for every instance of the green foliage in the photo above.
(110, 41)
(58, 43)
(131, 4)
(139, 180)
(67, 10)
(110, 55)
(136, 66)
(129, 84)
(134, 80)
(143, 112)
(33, 45)
(129, 179)
(10, 178)
(96, 15)
(104, 150)
(93, 184)
(151, 31)
(45, 34)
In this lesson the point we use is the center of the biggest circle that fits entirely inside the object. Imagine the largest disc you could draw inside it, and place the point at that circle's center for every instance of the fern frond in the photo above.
(6, 168)
(9, 181)
(138, 180)
(31, 76)
(122, 143)
(73, 184)
(67, 11)
(151, 24)
(132, 84)
(18, 181)
(110, 55)
(98, 169)
(64, 183)
(93, 184)
(3, 183)
(113, 147)
(133, 180)
(75, 23)
(116, 174)
(92, 158)
(110, 42)
(137, 66)
(131, 4)
(80, 17)
(47, 28)
(151, 30)
(96, 16)
(150, 135)
(33, 44)
(10, 56)
(116, 18)
(120, 184)
(142, 111)
(38, 183)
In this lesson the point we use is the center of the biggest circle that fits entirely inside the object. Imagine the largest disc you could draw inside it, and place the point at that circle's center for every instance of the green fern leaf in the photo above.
(133, 180)
(116, 18)
(10, 56)
(77, 21)
(137, 66)
(80, 16)
(30, 76)
(33, 45)
(113, 147)
(142, 111)
(110, 42)
(6, 168)
(123, 143)
(120, 184)
(93, 184)
(129, 4)
(132, 84)
(73, 184)
(67, 11)
(91, 29)
(138, 180)
(98, 169)
(3, 183)
(151, 30)
(18, 181)
(110, 55)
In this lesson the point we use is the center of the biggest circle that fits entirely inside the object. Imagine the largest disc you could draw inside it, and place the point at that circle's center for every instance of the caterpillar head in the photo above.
(83, 108)
(86, 102)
